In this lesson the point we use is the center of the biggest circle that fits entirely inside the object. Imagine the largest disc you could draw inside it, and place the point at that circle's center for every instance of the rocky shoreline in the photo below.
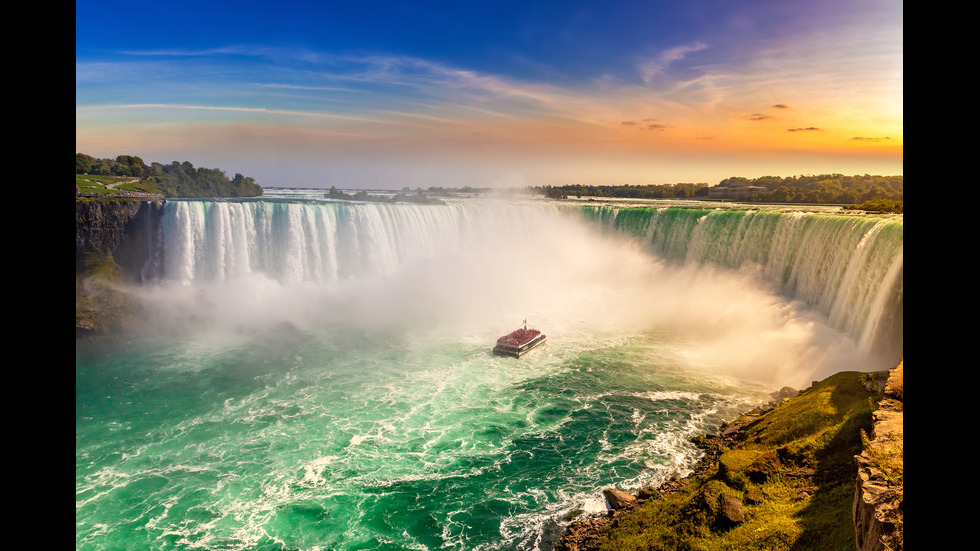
(876, 504)
(586, 534)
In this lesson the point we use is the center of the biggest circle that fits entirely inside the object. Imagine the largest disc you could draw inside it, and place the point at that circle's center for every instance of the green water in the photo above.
(354, 440)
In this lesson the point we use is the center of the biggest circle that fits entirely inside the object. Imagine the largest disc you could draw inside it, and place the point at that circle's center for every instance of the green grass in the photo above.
(88, 183)
(823, 424)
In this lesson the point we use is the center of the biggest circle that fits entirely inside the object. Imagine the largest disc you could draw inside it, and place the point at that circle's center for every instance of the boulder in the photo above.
(619, 499)
(730, 511)
(766, 465)
(784, 393)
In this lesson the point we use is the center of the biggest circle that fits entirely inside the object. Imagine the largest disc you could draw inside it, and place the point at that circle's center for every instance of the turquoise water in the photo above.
(351, 440)
(318, 376)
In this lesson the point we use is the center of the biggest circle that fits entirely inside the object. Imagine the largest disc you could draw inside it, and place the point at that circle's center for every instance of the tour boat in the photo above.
(519, 342)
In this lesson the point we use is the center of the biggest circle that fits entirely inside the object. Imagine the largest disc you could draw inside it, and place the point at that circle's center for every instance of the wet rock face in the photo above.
(585, 535)
(122, 228)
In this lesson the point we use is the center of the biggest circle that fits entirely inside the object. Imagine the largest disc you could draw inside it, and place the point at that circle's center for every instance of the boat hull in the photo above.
(516, 351)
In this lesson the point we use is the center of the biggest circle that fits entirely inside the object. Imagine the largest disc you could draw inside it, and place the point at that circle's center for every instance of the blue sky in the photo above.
(385, 94)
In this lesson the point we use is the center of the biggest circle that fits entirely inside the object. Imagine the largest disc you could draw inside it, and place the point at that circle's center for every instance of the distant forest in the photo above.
(824, 188)
(174, 180)
(650, 191)
(821, 188)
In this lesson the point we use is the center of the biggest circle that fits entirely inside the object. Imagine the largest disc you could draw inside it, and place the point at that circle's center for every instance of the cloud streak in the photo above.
(653, 68)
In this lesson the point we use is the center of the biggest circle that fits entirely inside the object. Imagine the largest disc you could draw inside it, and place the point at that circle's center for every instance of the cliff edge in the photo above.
(879, 497)
(118, 227)
(113, 238)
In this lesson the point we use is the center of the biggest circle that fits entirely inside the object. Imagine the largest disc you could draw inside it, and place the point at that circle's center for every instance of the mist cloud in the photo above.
(578, 285)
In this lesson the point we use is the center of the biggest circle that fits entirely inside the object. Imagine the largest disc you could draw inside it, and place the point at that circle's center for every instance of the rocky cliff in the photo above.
(119, 228)
(113, 240)
(879, 497)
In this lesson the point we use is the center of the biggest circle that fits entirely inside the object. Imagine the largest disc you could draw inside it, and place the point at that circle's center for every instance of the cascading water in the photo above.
(318, 375)
(850, 268)
(320, 242)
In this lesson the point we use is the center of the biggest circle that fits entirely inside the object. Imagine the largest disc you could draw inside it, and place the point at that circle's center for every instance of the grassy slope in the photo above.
(799, 455)
(88, 183)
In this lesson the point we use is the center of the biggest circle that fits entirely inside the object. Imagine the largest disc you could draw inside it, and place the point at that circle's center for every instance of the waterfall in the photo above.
(323, 242)
(848, 267)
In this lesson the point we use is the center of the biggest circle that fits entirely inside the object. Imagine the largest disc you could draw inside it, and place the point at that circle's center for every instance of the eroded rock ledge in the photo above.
(879, 494)
(121, 228)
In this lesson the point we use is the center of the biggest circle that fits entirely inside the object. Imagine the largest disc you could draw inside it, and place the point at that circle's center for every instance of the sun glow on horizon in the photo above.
(821, 91)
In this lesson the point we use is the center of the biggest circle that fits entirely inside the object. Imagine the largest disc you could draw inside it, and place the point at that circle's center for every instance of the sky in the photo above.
(383, 94)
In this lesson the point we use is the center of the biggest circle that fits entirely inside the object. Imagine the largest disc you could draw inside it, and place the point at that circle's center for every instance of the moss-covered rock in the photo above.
(101, 306)
(733, 462)
(765, 466)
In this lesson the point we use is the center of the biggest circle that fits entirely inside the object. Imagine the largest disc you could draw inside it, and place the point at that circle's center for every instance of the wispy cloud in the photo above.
(651, 69)
(185, 52)
(647, 124)
(265, 111)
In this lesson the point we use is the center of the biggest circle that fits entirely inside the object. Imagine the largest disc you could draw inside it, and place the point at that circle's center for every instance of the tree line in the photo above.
(177, 179)
(649, 191)
(823, 188)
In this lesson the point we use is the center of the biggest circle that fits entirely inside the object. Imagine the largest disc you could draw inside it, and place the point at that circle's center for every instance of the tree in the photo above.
(135, 165)
(177, 179)
(782, 194)
(102, 167)
(83, 163)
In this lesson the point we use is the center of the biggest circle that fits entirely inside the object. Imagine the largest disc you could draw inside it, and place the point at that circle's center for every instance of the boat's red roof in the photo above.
(519, 337)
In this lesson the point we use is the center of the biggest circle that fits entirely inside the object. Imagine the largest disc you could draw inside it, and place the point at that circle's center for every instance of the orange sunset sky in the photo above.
(496, 94)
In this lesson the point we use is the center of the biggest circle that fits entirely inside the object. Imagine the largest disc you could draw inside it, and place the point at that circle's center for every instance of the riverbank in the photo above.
(782, 477)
